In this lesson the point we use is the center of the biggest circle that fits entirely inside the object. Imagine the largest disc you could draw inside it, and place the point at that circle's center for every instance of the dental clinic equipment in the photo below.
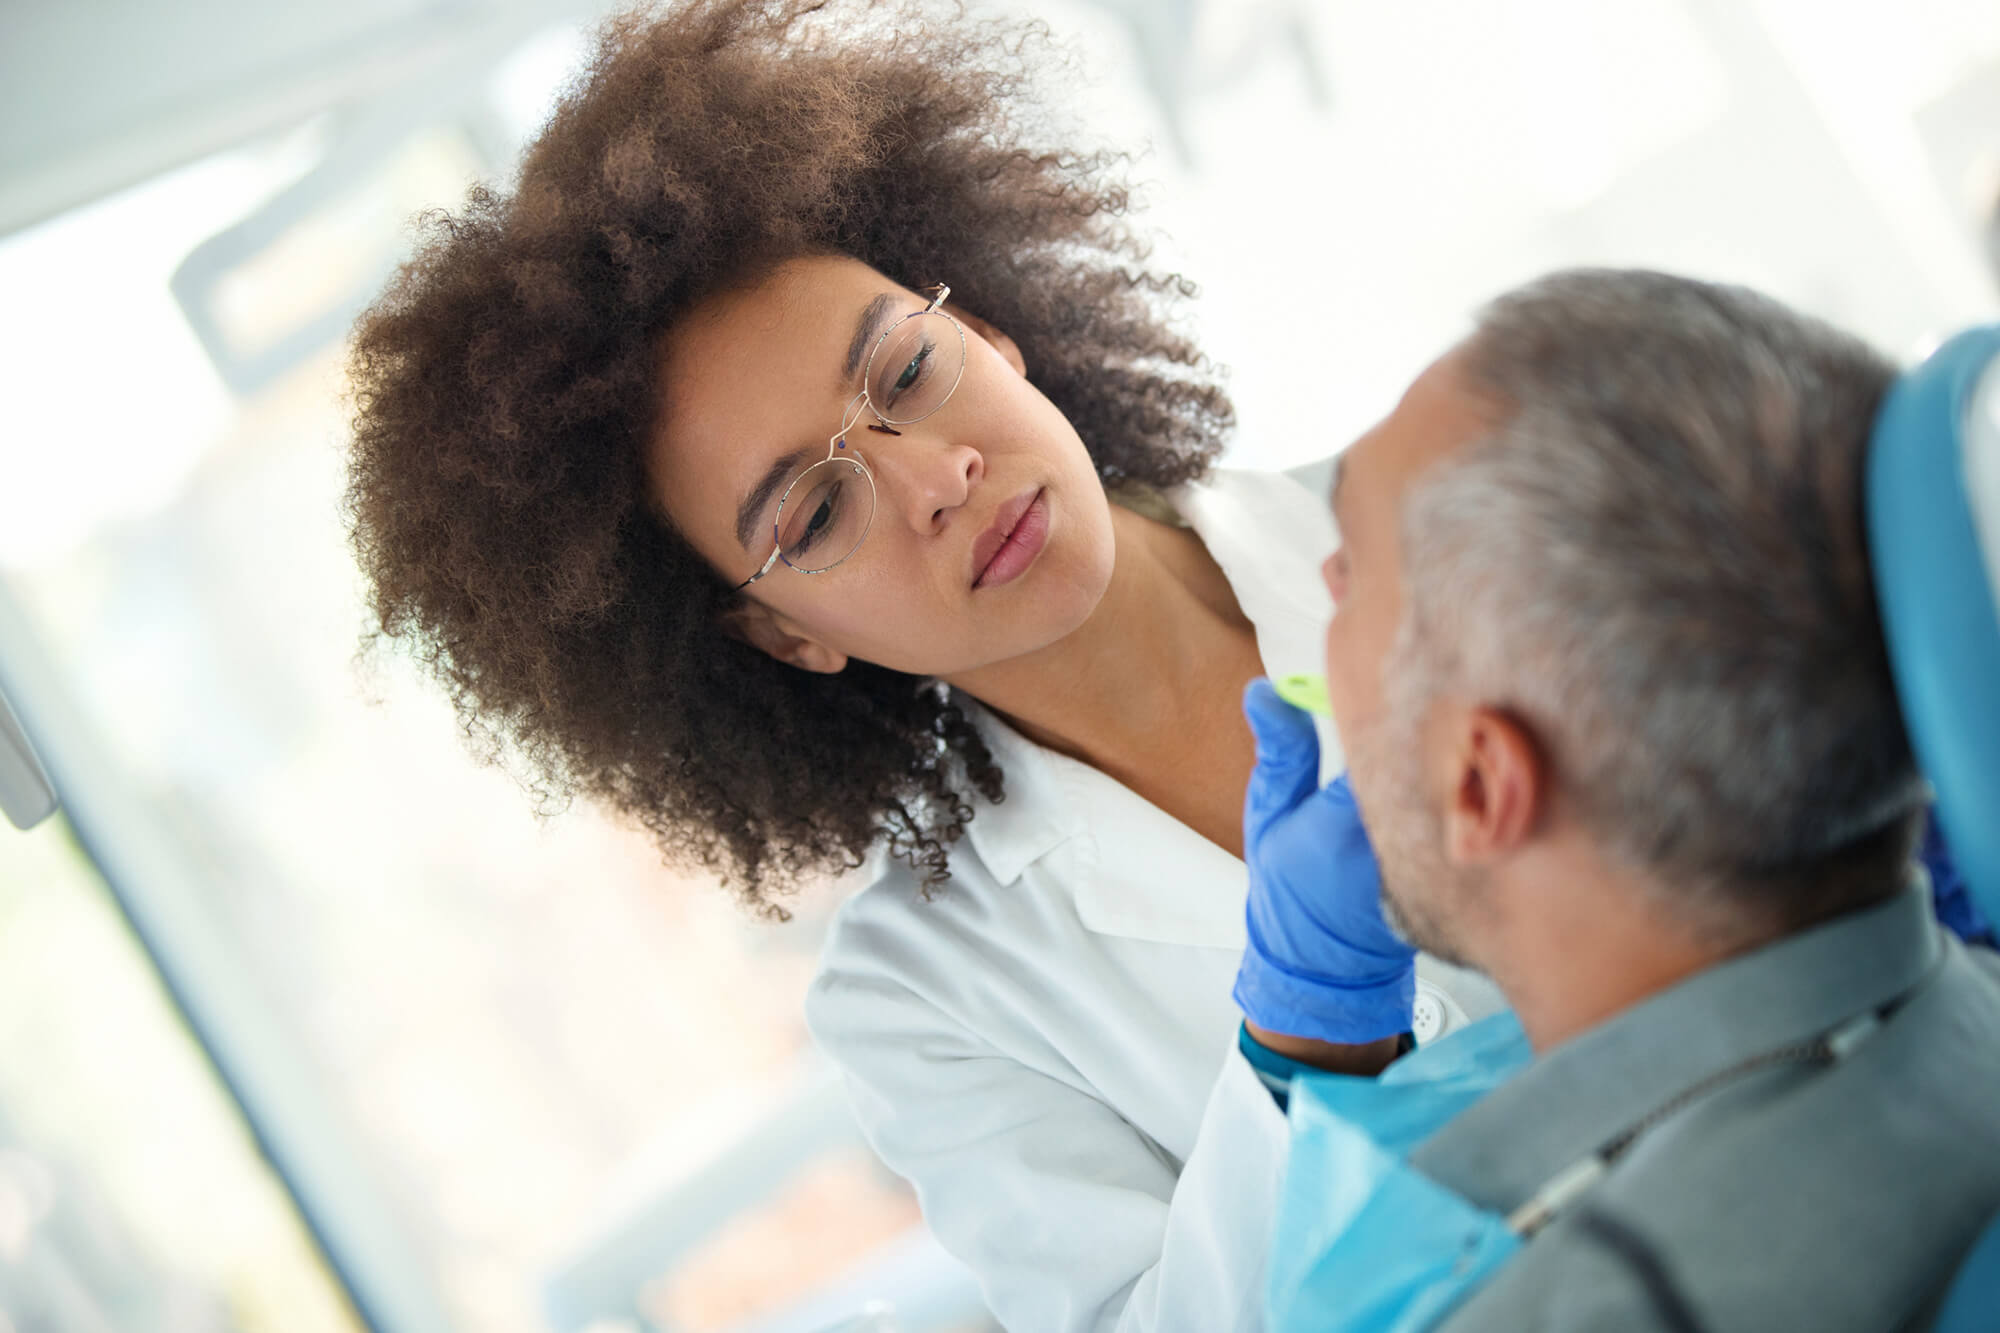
(1306, 692)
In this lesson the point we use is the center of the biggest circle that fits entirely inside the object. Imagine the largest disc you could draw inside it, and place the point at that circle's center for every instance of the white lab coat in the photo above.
(1047, 1048)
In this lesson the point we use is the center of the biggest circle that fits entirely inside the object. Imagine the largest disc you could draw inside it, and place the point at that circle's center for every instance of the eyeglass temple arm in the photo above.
(761, 572)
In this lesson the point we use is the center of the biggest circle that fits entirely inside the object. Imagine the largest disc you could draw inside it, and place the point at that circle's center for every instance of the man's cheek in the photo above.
(1340, 692)
(1354, 684)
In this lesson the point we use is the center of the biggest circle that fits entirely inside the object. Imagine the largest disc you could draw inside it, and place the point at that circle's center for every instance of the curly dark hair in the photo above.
(504, 391)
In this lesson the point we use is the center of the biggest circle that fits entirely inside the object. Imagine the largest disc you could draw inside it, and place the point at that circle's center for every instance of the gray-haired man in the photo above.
(1608, 670)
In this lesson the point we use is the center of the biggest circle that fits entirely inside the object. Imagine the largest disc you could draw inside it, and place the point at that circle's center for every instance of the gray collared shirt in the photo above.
(1799, 1196)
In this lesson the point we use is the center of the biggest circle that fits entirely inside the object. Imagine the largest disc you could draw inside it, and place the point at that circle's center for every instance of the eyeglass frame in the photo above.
(850, 416)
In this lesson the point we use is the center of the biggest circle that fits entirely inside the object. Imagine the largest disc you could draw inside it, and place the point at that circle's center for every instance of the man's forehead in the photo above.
(1441, 413)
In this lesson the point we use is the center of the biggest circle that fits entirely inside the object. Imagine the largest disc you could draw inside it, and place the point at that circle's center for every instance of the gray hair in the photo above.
(1658, 563)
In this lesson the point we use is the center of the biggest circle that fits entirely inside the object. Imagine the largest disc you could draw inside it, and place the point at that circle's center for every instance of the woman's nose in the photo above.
(926, 478)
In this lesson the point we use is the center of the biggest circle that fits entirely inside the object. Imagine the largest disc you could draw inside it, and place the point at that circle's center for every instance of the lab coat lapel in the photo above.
(1147, 876)
(1037, 816)
(1137, 871)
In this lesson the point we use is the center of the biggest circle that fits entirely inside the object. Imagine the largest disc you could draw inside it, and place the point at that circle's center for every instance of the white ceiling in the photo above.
(96, 95)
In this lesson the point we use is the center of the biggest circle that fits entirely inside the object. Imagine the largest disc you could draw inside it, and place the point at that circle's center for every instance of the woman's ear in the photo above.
(768, 632)
(1000, 342)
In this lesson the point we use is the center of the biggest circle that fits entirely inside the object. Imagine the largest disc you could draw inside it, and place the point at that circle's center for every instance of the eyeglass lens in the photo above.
(825, 515)
(829, 508)
(914, 369)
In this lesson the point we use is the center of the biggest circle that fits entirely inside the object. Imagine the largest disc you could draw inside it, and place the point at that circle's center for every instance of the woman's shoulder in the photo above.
(900, 964)
(893, 914)
(895, 926)
(1279, 505)
(1000, 924)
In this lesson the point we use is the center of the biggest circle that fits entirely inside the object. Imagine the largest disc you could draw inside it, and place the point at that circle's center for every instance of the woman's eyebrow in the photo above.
(760, 495)
(865, 331)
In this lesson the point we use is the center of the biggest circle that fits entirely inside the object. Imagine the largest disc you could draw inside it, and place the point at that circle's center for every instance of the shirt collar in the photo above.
(1579, 1095)
(1154, 878)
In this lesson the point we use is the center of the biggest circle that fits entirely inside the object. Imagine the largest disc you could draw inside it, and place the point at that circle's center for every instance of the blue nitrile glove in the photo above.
(1949, 896)
(1321, 962)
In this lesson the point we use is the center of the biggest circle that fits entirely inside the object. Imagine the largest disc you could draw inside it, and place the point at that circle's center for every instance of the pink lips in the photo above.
(1006, 549)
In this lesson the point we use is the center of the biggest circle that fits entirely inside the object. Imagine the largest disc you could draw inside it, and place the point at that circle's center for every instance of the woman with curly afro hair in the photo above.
(801, 462)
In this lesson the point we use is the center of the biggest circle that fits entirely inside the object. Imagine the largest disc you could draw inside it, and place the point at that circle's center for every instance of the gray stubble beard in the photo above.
(1408, 837)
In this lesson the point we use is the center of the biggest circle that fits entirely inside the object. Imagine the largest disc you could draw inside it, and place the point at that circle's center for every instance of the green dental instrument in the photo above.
(1305, 691)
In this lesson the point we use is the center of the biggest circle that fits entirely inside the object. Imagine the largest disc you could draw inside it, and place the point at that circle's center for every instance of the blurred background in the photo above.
(308, 1022)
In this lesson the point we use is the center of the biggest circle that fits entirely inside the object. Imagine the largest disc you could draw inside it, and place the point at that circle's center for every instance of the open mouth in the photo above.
(1006, 549)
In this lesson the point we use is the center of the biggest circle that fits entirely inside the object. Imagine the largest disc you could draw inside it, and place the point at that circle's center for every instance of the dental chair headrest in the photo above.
(1933, 508)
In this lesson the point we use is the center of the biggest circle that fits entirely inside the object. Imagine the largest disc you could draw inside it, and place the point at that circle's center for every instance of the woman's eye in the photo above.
(912, 372)
(821, 519)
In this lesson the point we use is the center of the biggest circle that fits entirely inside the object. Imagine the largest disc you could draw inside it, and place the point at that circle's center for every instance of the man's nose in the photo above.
(925, 476)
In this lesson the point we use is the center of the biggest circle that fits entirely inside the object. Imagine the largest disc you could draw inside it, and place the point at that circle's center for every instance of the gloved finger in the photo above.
(1323, 836)
(1287, 768)
(1334, 811)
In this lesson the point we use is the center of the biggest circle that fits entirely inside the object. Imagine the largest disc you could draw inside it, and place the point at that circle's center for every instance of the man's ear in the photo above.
(764, 629)
(1001, 343)
(1500, 788)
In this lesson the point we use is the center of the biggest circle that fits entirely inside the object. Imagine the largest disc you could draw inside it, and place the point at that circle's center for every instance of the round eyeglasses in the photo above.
(827, 510)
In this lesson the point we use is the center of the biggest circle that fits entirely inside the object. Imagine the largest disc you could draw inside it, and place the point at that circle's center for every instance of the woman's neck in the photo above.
(1147, 689)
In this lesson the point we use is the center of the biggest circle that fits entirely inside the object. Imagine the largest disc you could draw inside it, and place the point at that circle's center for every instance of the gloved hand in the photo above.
(1321, 962)
(1950, 899)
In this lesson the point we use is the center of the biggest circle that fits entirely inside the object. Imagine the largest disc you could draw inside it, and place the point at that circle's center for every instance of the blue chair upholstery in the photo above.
(1973, 1305)
(1935, 544)
(1933, 507)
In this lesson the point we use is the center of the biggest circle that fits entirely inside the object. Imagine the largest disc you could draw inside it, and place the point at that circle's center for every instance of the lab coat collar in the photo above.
(1145, 875)
(1037, 814)
(1576, 1097)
